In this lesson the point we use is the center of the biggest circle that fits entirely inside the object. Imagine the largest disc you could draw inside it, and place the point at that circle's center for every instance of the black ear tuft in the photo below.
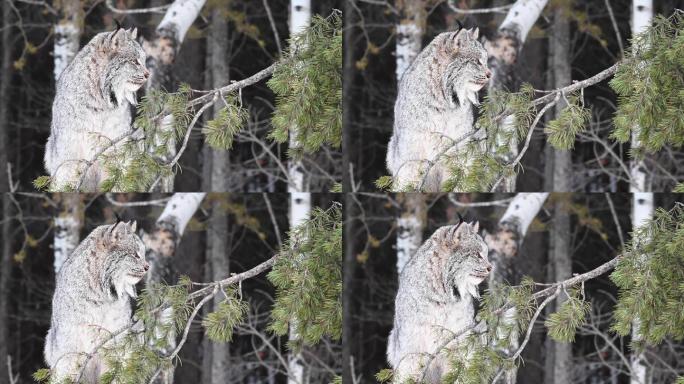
(460, 218)
(118, 218)
(460, 25)
(118, 25)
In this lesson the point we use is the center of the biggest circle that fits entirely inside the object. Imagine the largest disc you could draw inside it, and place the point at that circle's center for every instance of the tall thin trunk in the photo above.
(410, 226)
(503, 52)
(504, 244)
(5, 274)
(162, 50)
(562, 162)
(300, 198)
(67, 34)
(5, 81)
(217, 236)
(68, 225)
(161, 244)
(300, 207)
(642, 202)
(410, 31)
(347, 291)
(642, 212)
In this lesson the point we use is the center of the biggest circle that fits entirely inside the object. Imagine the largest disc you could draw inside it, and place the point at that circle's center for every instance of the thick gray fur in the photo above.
(435, 301)
(92, 300)
(434, 110)
(92, 107)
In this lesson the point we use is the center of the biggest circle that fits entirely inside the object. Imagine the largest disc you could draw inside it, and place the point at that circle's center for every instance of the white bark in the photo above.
(410, 227)
(67, 36)
(642, 203)
(300, 207)
(68, 224)
(503, 52)
(410, 31)
(523, 209)
(642, 212)
(180, 209)
(180, 16)
(642, 13)
(300, 18)
(522, 16)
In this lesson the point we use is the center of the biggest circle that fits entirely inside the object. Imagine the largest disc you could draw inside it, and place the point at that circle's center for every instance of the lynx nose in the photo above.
(147, 267)
(488, 73)
(146, 74)
(489, 267)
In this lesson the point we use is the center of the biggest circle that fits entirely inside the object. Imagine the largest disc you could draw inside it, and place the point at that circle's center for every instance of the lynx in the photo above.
(92, 300)
(433, 112)
(92, 107)
(435, 301)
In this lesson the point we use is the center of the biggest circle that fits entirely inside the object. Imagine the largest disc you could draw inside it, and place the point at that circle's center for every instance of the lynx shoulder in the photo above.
(92, 300)
(433, 112)
(92, 106)
(435, 301)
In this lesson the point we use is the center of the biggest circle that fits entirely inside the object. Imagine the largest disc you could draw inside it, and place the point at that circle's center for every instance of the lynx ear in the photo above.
(475, 33)
(134, 226)
(476, 226)
(461, 37)
(116, 39)
(133, 32)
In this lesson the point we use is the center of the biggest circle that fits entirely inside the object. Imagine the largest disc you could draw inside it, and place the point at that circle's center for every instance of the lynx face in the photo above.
(467, 265)
(467, 71)
(125, 72)
(124, 264)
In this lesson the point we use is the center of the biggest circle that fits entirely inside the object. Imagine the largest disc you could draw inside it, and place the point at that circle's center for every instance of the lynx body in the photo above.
(92, 107)
(92, 300)
(435, 301)
(434, 110)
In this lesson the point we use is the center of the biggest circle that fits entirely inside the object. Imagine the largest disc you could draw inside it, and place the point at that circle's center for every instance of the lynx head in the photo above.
(466, 64)
(122, 258)
(466, 264)
(125, 71)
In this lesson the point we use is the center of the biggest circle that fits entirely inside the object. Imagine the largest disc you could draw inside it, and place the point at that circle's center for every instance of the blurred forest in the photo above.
(227, 234)
(228, 41)
(598, 34)
(599, 226)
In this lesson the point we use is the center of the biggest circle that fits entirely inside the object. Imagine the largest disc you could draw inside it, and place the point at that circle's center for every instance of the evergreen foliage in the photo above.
(650, 86)
(649, 278)
(308, 279)
(308, 87)
(227, 122)
(572, 120)
(220, 323)
(563, 324)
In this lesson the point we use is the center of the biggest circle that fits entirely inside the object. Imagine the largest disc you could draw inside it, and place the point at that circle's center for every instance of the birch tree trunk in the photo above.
(504, 243)
(161, 245)
(642, 212)
(68, 225)
(642, 202)
(300, 198)
(410, 227)
(161, 51)
(503, 51)
(300, 207)
(410, 32)
(67, 33)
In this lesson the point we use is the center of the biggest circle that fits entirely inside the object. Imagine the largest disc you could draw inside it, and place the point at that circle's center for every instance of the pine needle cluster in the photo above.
(308, 88)
(649, 278)
(571, 121)
(308, 279)
(649, 85)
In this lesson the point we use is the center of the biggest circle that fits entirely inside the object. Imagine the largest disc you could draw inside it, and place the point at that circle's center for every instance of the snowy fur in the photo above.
(435, 300)
(92, 299)
(92, 106)
(434, 108)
